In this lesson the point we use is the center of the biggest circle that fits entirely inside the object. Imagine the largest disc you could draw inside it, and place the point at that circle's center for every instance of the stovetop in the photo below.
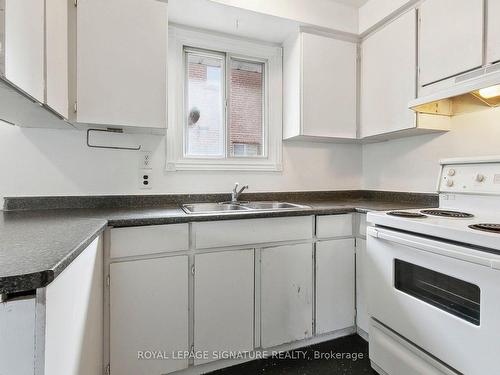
(480, 228)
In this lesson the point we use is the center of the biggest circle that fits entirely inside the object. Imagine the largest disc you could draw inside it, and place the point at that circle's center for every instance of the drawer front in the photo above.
(394, 355)
(252, 231)
(334, 226)
(152, 239)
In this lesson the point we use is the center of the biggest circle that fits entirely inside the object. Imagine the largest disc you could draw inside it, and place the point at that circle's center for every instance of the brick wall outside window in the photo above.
(246, 110)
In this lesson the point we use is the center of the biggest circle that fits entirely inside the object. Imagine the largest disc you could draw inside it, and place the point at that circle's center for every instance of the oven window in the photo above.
(447, 293)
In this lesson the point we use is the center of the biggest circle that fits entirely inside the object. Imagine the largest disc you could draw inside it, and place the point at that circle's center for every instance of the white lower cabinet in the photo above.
(362, 318)
(148, 312)
(286, 294)
(224, 303)
(335, 284)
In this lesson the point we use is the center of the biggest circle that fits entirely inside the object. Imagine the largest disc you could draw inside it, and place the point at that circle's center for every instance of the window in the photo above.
(214, 113)
(227, 111)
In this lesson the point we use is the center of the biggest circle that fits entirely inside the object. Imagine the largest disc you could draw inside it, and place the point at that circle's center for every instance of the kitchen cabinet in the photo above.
(74, 311)
(286, 294)
(107, 62)
(335, 285)
(23, 47)
(17, 320)
(451, 38)
(58, 328)
(388, 77)
(320, 87)
(493, 33)
(388, 83)
(224, 302)
(148, 311)
(362, 317)
(122, 63)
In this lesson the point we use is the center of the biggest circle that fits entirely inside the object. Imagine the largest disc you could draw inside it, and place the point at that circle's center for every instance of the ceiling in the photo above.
(354, 3)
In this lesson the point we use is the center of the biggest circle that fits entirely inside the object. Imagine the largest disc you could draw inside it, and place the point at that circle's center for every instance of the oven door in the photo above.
(442, 297)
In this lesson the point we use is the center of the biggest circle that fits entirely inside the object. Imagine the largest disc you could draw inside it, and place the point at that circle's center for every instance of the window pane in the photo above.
(205, 109)
(246, 132)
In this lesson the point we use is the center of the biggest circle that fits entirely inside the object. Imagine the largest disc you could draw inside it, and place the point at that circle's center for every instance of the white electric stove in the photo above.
(434, 277)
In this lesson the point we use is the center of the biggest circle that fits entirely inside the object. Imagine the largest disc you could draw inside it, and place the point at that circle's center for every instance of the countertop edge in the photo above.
(26, 282)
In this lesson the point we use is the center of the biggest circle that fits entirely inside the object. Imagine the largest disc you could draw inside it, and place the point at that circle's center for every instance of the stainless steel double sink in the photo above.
(226, 207)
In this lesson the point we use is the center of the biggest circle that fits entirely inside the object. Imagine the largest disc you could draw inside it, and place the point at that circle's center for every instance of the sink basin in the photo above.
(208, 208)
(211, 208)
(272, 205)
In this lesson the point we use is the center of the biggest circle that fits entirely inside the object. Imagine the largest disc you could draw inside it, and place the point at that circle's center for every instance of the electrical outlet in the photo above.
(146, 161)
(145, 180)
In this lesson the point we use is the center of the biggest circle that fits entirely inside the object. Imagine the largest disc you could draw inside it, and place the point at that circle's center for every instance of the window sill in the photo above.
(226, 165)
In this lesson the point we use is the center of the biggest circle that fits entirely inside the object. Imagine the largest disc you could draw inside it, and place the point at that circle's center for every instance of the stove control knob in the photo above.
(449, 183)
(480, 177)
(451, 172)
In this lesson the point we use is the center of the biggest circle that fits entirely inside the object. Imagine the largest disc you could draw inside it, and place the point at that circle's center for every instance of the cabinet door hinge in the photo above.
(108, 370)
(192, 269)
(75, 2)
(108, 280)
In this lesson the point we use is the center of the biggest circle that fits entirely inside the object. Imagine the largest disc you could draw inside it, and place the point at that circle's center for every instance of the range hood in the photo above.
(470, 91)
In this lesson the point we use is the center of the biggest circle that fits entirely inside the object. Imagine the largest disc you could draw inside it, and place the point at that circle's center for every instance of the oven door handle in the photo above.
(441, 248)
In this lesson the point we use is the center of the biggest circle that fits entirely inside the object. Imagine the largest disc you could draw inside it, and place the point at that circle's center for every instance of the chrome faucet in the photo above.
(235, 193)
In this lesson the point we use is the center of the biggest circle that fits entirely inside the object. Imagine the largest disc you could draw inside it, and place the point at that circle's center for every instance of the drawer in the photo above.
(334, 226)
(393, 355)
(152, 239)
(252, 231)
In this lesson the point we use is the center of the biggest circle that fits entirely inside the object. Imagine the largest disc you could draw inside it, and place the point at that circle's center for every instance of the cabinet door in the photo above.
(224, 302)
(148, 312)
(57, 55)
(329, 71)
(388, 77)
(17, 337)
(362, 319)
(493, 31)
(451, 38)
(24, 46)
(122, 62)
(286, 294)
(335, 278)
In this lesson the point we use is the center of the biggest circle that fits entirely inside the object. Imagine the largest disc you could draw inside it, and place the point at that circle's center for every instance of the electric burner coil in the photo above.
(410, 215)
(491, 228)
(447, 213)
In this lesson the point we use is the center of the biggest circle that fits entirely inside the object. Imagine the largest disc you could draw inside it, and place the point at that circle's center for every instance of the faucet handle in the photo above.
(236, 186)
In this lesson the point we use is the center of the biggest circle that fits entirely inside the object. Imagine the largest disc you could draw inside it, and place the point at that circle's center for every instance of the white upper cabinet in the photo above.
(388, 77)
(107, 62)
(122, 62)
(451, 38)
(58, 56)
(493, 43)
(23, 46)
(320, 81)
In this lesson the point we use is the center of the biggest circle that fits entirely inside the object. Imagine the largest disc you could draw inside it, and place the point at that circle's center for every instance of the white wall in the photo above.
(57, 162)
(411, 164)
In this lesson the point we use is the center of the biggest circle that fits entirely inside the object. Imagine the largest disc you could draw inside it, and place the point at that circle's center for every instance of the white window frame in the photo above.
(234, 47)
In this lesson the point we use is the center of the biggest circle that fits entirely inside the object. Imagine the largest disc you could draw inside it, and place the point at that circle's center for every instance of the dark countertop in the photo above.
(37, 245)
